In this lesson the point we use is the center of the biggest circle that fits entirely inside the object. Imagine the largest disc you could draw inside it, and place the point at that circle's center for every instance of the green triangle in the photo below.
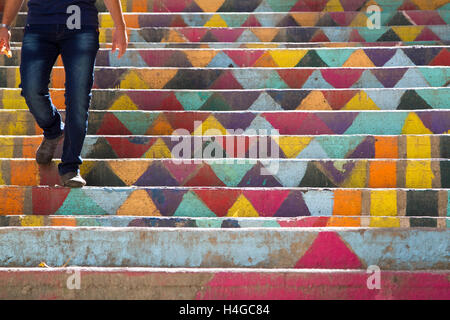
(216, 103)
(192, 100)
(333, 58)
(78, 203)
(137, 122)
(192, 206)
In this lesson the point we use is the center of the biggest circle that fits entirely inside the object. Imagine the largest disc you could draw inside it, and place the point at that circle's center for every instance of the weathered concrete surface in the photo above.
(211, 284)
(336, 248)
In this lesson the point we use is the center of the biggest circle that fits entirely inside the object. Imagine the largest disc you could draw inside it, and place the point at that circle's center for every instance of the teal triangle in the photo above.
(137, 122)
(436, 98)
(334, 58)
(413, 79)
(337, 147)
(79, 203)
(231, 173)
(192, 100)
(372, 35)
(436, 77)
(378, 123)
(316, 81)
(281, 6)
(192, 206)
(234, 20)
(367, 80)
(400, 59)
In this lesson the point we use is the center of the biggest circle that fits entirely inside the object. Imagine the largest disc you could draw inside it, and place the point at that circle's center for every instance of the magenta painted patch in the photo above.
(341, 78)
(328, 251)
(266, 202)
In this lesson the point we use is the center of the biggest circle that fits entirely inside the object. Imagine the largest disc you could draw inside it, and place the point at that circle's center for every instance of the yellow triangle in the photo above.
(430, 4)
(357, 178)
(358, 59)
(200, 58)
(408, 33)
(129, 172)
(413, 125)
(242, 208)
(210, 123)
(333, 6)
(216, 21)
(158, 150)
(315, 101)
(292, 145)
(209, 5)
(306, 19)
(287, 58)
(13, 100)
(157, 78)
(361, 101)
(160, 126)
(174, 36)
(123, 103)
(265, 34)
(138, 204)
(133, 81)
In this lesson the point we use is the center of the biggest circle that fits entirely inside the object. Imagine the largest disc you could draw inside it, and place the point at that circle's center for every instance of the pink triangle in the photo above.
(341, 78)
(328, 251)
(226, 81)
(194, 34)
(226, 34)
(182, 172)
(266, 202)
(286, 123)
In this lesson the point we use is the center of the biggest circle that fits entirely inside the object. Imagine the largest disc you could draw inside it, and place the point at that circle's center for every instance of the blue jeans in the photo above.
(42, 44)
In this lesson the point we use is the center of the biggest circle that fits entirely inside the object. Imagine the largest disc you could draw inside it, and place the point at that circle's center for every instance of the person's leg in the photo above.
(78, 51)
(39, 53)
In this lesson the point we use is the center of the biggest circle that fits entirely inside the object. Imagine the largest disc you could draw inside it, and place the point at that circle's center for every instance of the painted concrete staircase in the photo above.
(312, 148)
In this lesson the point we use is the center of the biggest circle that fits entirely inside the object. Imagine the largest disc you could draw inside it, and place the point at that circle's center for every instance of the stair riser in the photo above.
(289, 34)
(320, 147)
(22, 122)
(246, 203)
(256, 100)
(243, 78)
(157, 222)
(247, 173)
(271, 6)
(154, 284)
(392, 249)
(235, 20)
(430, 56)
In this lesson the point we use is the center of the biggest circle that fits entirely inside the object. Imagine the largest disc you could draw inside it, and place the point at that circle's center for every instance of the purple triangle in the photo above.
(437, 122)
(379, 57)
(338, 122)
(389, 77)
(156, 175)
(167, 201)
(365, 150)
(254, 178)
(240, 100)
(293, 206)
(235, 121)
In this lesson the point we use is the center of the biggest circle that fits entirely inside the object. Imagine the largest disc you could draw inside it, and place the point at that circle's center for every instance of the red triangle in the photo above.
(341, 78)
(266, 202)
(187, 120)
(251, 22)
(319, 36)
(182, 172)
(442, 59)
(46, 201)
(178, 22)
(155, 58)
(352, 5)
(286, 123)
(124, 148)
(316, 5)
(301, 6)
(343, 18)
(171, 103)
(338, 99)
(313, 125)
(226, 81)
(328, 251)
(245, 58)
(112, 126)
(205, 177)
(194, 34)
(226, 34)
(295, 78)
(355, 36)
(218, 200)
(427, 35)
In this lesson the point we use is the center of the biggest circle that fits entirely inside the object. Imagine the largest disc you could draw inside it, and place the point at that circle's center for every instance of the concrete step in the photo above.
(352, 207)
(300, 147)
(318, 248)
(254, 78)
(277, 34)
(221, 284)
(256, 100)
(201, 222)
(267, 58)
(269, 19)
(239, 173)
(22, 122)
(267, 45)
(270, 6)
